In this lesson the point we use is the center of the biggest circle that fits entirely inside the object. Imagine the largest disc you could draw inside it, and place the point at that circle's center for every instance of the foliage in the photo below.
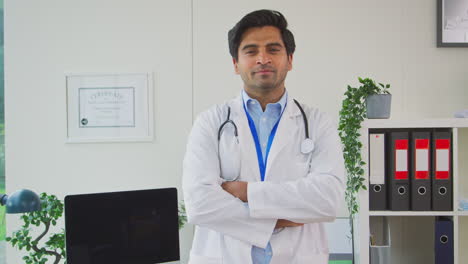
(51, 211)
(182, 215)
(352, 113)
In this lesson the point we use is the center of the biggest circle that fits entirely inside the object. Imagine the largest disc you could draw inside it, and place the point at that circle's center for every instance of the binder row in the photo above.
(410, 169)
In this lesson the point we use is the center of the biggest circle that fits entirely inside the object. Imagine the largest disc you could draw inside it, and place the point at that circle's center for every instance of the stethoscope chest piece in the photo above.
(307, 146)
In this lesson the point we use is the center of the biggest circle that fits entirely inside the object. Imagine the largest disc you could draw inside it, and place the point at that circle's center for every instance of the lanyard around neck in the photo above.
(262, 163)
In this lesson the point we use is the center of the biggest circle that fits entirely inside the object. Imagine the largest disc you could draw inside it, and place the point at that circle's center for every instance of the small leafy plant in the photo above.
(352, 113)
(182, 215)
(51, 211)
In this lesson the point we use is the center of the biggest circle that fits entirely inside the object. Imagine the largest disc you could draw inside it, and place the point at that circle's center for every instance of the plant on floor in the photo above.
(51, 211)
(352, 113)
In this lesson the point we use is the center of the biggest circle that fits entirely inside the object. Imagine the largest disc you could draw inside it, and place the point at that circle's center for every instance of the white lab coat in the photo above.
(301, 188)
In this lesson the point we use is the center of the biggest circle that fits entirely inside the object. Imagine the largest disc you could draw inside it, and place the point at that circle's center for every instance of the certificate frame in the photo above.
(109, 107)
(452, 23)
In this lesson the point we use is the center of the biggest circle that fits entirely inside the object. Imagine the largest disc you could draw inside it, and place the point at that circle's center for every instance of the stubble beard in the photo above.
(260, 85)
(265, 87)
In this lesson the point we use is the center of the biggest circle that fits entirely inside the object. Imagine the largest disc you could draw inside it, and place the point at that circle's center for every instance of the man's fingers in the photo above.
(286, 223)
(229, 187)
(237, 189)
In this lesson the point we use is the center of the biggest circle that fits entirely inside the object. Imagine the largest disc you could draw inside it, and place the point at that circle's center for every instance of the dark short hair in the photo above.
(260, 18)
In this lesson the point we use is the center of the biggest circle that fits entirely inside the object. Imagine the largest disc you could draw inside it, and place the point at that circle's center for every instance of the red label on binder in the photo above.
(421, 159)
(422, 143)
(422, 175)
(442, 159)
(442, 143)
(401, 144)
(401, 159)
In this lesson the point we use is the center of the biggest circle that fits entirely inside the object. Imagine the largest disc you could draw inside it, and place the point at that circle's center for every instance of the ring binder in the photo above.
(377, 177)
(420, 169)
(398, 176)
(442, 170)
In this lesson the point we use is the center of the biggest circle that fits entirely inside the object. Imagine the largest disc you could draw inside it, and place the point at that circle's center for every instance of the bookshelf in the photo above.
(412, 232)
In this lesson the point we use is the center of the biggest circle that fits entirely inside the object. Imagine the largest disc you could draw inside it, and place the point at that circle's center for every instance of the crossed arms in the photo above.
(239, 189)
(221, 206)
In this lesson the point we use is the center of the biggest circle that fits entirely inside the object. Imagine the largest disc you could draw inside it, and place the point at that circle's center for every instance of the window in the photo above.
(2, 140)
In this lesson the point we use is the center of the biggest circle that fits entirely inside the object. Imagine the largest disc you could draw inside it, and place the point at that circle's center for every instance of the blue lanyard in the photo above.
(261, 163)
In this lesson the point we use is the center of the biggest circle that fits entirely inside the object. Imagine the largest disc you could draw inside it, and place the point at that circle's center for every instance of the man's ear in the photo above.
(290, 61)
(234, 62)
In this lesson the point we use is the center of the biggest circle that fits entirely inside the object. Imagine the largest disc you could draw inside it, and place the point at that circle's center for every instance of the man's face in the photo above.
(262, 62)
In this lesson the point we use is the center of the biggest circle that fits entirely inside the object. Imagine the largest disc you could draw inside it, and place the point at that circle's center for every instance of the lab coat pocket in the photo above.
(198, 259)
(234, 251)
(229, 157)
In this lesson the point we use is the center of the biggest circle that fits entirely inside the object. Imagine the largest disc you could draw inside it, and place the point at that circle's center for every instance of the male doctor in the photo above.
(262, 172)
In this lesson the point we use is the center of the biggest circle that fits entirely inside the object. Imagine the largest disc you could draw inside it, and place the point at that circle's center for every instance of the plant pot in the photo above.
(378, 106)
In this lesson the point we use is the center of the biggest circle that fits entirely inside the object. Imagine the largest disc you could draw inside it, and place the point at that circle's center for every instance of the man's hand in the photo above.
(237, 189)
(286, 223)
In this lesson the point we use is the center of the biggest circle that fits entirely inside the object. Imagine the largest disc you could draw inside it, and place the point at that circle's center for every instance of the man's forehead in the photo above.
(266, 35)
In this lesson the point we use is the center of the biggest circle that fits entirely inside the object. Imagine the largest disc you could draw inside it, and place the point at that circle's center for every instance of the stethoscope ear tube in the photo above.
(306, 123)
(228, 120)
(229, 160)
(307, 144)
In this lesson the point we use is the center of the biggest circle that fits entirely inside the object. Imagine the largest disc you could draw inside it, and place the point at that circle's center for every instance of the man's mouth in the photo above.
(264, 71)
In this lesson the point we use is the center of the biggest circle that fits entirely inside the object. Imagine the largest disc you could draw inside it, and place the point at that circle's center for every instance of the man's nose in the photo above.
(263, 58)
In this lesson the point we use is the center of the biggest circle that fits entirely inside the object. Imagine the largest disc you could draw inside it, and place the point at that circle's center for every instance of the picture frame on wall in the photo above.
(452, 23)
(109, 107)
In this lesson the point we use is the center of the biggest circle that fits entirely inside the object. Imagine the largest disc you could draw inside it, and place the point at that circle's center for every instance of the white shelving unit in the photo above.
(412, 232)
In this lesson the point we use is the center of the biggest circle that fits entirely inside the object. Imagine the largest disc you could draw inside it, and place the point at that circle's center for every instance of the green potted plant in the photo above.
(353, 111)
(51, 211)
(379, 101)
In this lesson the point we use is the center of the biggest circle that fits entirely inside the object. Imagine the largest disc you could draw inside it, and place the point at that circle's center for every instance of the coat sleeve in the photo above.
(313, 198)
(207, 204)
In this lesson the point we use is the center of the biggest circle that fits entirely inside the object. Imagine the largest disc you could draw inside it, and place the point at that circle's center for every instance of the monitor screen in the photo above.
(132, 227)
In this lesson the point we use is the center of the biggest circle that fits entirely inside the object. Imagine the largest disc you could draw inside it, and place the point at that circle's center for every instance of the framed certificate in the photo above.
(452, 23)
(109, 107)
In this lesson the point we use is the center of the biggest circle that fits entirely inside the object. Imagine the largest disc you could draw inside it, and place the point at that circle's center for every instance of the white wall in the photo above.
(391, 41)
(47, 38)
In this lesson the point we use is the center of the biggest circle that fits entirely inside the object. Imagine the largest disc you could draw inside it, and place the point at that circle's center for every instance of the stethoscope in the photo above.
(307, 145)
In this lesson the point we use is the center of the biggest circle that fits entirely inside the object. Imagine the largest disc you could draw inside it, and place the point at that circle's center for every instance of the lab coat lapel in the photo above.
(286, 127)
(249, 161)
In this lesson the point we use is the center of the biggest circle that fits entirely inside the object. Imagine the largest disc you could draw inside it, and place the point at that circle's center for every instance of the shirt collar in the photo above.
(282, 101)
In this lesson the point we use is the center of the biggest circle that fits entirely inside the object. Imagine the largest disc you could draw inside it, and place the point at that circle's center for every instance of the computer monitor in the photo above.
(132, 227)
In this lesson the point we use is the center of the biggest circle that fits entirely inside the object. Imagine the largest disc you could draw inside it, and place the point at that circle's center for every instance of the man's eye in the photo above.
(274, 50)
(250, 52)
